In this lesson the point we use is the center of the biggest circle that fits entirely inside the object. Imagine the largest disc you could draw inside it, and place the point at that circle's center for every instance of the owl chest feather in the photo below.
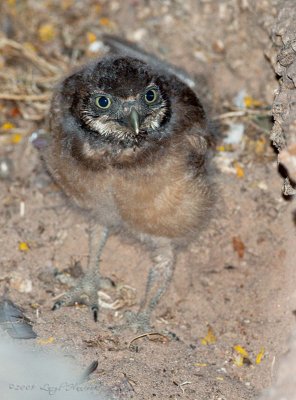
(164, 200)
(149, 204)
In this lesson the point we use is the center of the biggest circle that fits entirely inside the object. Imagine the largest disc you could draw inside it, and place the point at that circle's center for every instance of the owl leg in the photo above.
(159, 278)
(85, 292)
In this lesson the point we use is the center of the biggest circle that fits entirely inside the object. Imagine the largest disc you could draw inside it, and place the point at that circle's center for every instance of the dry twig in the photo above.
(44, 65)
(148, 334)
(242, 113)
(25, 97)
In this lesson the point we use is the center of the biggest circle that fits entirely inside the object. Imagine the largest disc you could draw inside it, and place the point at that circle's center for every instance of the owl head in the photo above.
(124, 101)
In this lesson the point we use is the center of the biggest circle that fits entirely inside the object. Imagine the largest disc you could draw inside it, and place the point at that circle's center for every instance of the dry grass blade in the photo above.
(242, 113)
(39, 62)
(25, 97)
(148, 334)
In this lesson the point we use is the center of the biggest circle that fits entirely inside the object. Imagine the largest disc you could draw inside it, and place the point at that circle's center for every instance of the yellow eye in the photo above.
(151, 96)
(103, 102)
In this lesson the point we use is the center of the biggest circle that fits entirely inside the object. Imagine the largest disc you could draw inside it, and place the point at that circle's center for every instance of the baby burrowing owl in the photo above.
(129, 143)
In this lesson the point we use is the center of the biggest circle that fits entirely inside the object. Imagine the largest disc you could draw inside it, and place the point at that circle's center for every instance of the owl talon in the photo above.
(85, 292)
(58, 304)
(95, 310)
(80, 300)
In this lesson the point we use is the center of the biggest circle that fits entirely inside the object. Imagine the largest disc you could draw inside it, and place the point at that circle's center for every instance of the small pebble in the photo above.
(22, 285)
(97, 47)
(235, 133)
(138, 35)
(39, 139)
(6, 168)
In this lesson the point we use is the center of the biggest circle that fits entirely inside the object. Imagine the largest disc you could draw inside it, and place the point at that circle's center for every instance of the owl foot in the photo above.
(85, 292)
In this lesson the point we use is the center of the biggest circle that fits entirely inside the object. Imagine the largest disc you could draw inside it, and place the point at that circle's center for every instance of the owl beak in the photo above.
(134, 120)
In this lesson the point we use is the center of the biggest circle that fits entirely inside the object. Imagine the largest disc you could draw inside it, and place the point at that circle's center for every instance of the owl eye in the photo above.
(103, 102)
(151, 96)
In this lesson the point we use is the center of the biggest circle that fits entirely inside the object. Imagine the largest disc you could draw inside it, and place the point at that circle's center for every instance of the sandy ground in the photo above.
(234, 285)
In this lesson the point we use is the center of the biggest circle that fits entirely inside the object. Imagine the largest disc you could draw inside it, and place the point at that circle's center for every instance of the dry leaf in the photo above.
(210, 337)
(97, 9)
(29, 46)
(238, 360)
(242, 357)
(238, 246)
(14, 112)
(7, 126)
(23, 246)
(260, 145)
(240, 173)
(16, 138)
(91, 37)
(66, 4)
(225, 148)
(239, 349)
(249, 102)
(49, 340)
(46, 32)
(11, 3)
(260, 355)
(105, 21)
